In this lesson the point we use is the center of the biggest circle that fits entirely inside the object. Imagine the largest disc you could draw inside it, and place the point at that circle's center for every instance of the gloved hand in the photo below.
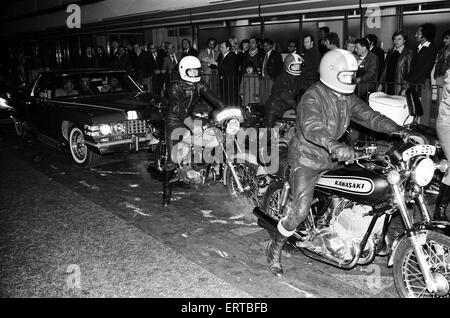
(341, 151)
(407, 135)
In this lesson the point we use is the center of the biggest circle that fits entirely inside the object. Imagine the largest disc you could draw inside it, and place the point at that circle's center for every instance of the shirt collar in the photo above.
(226, 54)
(426, 44)
(400, 49)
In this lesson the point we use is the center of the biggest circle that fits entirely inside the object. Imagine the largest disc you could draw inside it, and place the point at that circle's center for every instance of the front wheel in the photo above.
(246, 172)
(80, 153)
(408, 277)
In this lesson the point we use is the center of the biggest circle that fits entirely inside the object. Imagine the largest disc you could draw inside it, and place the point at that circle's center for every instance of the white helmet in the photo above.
(338, 71)
(293, 64)
(189, 68)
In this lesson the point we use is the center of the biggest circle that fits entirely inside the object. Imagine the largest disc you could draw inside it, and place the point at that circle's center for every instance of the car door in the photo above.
(44, 105)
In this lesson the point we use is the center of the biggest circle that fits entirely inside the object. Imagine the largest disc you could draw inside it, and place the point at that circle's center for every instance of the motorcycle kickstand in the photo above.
(167, 187)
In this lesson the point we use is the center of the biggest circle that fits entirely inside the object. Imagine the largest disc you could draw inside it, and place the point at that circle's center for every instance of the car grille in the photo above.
(136, 127)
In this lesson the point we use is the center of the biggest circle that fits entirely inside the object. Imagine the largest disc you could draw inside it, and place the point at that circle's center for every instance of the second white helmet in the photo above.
(338, 71)
(190, 69)
(293, 64)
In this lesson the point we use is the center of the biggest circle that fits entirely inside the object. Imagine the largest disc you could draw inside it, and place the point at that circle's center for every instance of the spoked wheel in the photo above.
(246, 172)
(81, 155)
(408, 277)
(272, 200)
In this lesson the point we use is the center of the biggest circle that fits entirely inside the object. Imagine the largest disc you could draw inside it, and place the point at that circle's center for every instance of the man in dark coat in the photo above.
(375, 49)
(87, 60)
(187, 48)
(422, 63)
(311, 57)
(228, 68)
(367, 74)
(140, 61)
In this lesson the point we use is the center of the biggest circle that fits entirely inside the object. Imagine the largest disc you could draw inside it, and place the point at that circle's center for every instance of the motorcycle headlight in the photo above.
(233, 126)
(423, 172)
(105, 129)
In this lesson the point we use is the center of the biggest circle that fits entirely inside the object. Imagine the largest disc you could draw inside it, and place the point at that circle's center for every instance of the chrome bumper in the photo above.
(135, 143)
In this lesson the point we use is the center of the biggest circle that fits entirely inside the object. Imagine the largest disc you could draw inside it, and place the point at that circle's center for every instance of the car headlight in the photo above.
(105, 129)
(423, 172)
(4, 104)
(233, 126)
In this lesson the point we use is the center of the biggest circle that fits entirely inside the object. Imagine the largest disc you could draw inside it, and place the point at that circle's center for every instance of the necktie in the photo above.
(173, 59)
(210, 54)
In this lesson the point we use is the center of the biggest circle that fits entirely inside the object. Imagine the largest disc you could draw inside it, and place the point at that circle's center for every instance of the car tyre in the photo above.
(81, 154)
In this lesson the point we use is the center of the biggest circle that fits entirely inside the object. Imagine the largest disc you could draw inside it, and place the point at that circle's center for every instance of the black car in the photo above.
(92, 112)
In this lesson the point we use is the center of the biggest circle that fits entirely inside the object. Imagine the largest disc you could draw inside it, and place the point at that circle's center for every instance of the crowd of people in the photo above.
(243, 72)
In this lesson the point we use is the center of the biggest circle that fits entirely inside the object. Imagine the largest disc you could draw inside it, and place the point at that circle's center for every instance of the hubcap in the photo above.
(78, 146)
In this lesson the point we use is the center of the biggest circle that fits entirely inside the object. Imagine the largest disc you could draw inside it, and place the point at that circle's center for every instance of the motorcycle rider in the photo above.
(323, 115)
(183, 93)
(285, 90)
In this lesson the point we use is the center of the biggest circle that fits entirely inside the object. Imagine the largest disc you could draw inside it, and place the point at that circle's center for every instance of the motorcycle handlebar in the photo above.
(359, 155)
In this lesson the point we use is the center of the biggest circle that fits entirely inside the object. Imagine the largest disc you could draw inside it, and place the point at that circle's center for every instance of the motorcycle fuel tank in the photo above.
(356, 184)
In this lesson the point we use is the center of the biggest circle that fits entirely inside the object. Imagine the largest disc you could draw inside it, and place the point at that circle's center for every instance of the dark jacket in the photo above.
(228, 66)
(274, 64)
(257, 60)
(87, 62)
(122, 62)
(102, 61)
(155, 64)
(379, 53)
(442, 61)
(183, 96)
(367, 72)
(190, 51)
(402, 68)
(421, 65)
(141, 64)
(322, 117)
(310, 69)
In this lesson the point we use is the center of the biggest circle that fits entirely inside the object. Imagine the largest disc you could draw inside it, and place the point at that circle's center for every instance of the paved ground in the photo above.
(107, 227)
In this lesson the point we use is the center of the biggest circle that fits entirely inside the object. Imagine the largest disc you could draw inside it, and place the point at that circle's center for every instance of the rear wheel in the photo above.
(79, 151)
(408, 277)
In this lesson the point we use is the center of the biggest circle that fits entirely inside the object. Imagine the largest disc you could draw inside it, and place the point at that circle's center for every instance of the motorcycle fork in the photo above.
(423, 208)
(231, 167)
(415, 241)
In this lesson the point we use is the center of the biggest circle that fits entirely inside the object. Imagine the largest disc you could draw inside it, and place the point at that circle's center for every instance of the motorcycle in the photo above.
(352, 208)
(251, 169)
(196, 155)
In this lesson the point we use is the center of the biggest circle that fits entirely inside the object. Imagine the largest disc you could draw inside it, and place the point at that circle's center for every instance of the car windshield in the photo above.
(92, 84)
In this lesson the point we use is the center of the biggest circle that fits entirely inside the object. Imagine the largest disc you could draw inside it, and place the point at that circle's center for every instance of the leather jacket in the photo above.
(184, 95)
(401, 69)
(322, 117)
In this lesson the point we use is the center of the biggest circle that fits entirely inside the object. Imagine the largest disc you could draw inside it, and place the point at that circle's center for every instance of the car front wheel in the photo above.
(80, 153)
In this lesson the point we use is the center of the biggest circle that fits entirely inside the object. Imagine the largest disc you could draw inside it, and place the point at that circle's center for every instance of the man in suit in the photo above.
(114, 52)
(422, 63)
(272, 66)
(156, 63)
(187, 48)
(170, 62)
(208, 57)
(367, 73)
(228, 74)
(88, 59)
(140, 61)
(379, 52)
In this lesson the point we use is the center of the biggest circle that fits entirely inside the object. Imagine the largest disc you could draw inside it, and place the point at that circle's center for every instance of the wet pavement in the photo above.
(109, 222)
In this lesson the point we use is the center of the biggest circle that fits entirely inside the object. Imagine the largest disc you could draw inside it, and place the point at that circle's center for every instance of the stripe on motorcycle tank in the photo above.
(354, 185)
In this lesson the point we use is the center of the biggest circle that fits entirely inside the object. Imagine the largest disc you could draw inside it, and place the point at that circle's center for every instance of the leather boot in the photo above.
(274, 248)
(442, 202)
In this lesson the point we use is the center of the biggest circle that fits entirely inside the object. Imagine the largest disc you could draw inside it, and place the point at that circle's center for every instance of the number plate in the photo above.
(419, 150)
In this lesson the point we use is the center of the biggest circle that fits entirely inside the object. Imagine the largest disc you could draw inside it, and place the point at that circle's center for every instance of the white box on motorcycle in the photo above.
(393, 106)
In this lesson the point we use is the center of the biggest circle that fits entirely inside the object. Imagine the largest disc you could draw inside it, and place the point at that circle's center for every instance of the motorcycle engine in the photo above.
(189, 175)
(349, 224)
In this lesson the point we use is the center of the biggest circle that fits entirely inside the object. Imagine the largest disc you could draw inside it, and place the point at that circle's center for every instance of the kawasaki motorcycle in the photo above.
(352, 208)
(201, 153)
